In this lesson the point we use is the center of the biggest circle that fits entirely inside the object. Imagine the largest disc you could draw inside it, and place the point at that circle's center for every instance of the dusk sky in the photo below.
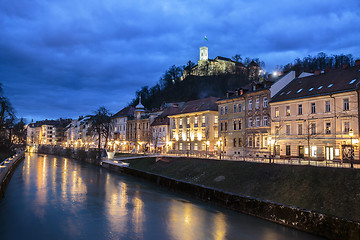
(67, 58)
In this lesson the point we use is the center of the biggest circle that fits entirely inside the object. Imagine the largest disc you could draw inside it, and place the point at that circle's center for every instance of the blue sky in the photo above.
(66, 58)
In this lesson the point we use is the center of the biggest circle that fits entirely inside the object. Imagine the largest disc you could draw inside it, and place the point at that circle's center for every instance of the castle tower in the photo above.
(204, 53)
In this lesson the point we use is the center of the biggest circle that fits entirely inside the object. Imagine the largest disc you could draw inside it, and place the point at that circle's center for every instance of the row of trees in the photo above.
(321, 61)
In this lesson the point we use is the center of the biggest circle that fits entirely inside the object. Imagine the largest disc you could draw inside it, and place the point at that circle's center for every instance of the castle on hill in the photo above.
(220, 66)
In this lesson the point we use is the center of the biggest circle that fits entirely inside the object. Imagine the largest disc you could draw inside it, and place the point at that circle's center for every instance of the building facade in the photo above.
(231, 112)
(194, 128)
(317, 117)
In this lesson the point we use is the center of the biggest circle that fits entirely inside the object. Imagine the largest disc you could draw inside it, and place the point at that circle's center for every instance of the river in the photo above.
(53, 197)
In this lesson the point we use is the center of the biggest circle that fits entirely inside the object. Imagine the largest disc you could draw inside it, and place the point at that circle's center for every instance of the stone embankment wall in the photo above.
(309, 221)
(90, 156)
(7, 169)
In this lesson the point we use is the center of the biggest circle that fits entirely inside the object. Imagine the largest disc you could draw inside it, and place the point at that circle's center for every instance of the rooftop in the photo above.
(335, 81)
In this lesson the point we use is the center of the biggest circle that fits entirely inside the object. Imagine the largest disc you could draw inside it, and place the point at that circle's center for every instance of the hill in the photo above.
(191, 88)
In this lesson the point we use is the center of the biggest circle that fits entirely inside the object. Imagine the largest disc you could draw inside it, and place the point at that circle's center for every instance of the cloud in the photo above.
(66, 58)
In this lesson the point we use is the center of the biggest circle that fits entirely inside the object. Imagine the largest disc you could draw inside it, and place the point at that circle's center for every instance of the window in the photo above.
(287, 110)
(216, 119)
(257, 141)
(240, 108)
(240, 142)
(226, 110)
(234, 125)
(181, 146)
(327, 106)
(313, 108)
(346, 127)
(234, 108)
(313, 151)
(265, 141)
(346, 104)
(258, 121)
(250, 122)
(196, 120)
(265, 121)
(188, 146)
(257, 103)
(221, 111)
(225, 126)
(221, 126)
(287, 129)
(265, 102)
(195, 146)
(216, 134)
(328, 128)
(250, 141)
(313, 128)
(234, 142)
(240, 124)
(277, 112)
(187, 121)
(300, 109)
(203, 119)
(250, 104)
(288, 150)
(277, 129)
(180, 122)
(300, 127)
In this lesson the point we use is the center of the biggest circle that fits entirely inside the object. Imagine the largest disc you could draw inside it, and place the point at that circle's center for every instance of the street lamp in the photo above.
(351, 134)
(207, 146)
(219, 144)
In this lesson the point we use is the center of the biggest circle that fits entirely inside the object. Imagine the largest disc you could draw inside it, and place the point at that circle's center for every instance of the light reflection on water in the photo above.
(58, 198)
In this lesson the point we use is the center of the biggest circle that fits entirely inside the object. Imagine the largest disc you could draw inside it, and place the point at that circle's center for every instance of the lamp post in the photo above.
(192, 137)
(207, 146)
(219, 144)
(271, 143)
(351, 134)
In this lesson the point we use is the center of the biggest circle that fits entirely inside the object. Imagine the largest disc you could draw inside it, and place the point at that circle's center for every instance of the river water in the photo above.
(52, 197)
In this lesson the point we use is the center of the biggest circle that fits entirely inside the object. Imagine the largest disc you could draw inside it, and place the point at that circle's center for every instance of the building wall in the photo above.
(324, 134)
(194, 138)
(258, 123)
(232, 125)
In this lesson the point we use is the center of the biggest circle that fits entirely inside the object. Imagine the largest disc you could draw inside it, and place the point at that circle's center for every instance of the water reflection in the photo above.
(59, 198)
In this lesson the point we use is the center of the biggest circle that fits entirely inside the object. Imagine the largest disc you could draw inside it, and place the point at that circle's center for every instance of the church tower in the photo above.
(204, 53)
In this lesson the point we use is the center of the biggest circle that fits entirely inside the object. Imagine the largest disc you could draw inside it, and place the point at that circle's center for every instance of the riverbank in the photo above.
(326, 190)
(7, 168)
(242, 185)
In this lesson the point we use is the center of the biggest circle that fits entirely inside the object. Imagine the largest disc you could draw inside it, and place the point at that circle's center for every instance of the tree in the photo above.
(100, 125)
(237, 58)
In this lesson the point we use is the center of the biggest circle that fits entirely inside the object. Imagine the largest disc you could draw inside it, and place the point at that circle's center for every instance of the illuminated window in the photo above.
(257, 103)
(287, 110)
(277, 112)
(216, 120)
(313, 151)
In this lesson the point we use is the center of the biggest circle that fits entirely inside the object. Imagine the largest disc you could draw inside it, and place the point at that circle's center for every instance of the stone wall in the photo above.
(7, 170)
(309, 221)
(90, 156)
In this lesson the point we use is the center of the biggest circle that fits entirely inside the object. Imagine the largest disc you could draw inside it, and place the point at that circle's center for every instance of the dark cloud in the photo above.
(66, 58)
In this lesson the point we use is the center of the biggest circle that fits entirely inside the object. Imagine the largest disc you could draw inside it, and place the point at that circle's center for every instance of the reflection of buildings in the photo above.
(188, 221)
(312, 116)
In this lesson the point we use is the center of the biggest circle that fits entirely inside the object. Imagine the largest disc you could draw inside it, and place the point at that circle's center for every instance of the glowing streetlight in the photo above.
(351, 134)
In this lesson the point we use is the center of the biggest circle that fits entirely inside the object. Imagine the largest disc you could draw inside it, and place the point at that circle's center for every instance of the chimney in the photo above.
(345, 66)
(357, 62)
(317, 72)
